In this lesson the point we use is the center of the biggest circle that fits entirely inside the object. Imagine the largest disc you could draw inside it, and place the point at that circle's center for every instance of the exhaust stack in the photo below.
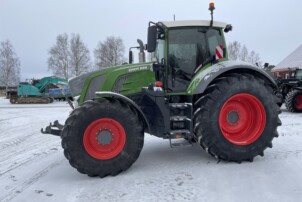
(141, 54)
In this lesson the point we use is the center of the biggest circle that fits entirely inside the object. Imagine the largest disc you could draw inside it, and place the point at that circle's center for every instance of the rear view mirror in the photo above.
(130, 57)
(228, 28)
(152, 36)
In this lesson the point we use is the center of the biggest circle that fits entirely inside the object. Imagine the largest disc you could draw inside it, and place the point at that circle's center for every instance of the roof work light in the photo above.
(212, 7)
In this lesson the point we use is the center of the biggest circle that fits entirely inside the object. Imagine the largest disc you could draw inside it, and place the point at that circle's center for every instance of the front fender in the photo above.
(204, 77)
(130, 102)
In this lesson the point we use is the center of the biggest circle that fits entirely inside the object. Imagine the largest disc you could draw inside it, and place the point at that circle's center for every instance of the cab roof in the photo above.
(193, 23)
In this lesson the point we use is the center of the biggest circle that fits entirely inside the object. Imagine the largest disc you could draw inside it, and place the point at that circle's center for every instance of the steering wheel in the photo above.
(173, 61)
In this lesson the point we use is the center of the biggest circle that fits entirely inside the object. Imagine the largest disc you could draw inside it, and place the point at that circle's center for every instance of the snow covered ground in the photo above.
(33, 167)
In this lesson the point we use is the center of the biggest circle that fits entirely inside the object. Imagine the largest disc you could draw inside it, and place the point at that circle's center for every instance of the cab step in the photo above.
(180, 143)
(179, 118)
(180, 105)
(176, 134)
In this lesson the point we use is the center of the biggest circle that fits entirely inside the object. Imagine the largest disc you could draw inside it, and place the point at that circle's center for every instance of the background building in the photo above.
(286, 68)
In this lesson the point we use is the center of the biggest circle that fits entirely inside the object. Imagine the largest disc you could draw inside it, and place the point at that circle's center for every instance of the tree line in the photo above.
(70, 57)
(237, 51)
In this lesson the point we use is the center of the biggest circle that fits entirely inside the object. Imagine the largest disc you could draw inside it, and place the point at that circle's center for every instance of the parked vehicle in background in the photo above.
(290, 91)
(42, 91)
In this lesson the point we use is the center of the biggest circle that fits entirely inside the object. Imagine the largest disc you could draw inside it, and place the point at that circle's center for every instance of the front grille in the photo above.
(94, 86)
(118, 85)
(76, 84)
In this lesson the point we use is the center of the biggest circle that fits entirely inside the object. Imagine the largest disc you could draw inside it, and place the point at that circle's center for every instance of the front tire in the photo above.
(237, 117)
(103, 137)
(293, 101)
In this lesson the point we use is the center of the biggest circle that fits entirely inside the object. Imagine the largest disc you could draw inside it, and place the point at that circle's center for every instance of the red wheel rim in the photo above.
(242, 119)
(298, 102)
(104, 138)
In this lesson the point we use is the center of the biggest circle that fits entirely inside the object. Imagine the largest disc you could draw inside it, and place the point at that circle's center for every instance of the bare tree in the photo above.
(110, 52)
(234, 50)
(244, 53)
(79, 56)
(240, 52)
(254, 58)
(58, 61)
(9, 65)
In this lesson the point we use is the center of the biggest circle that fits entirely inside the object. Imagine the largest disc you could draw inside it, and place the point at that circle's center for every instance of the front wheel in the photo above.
(293, 101)
(237, 118)
(103, 137)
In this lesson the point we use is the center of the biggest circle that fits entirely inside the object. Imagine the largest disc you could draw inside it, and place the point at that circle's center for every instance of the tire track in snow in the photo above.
(22, 151)
(25, 156)
(176, 186)
(283, 154)
(10, 118)
(15, 141)
(29, 182)
(24, 161)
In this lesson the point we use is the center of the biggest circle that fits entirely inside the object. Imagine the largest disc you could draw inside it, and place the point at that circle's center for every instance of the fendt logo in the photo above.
(138, 69)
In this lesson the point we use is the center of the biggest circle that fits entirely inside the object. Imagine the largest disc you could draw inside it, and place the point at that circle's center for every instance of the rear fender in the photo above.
(203, 78)
(127, 100)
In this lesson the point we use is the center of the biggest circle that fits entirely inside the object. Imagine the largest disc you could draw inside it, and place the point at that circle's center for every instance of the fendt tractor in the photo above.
(290, 91)
(190, 92)
(41, 91)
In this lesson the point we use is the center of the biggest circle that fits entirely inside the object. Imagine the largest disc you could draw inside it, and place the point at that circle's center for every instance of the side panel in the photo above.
(129, 81)
(28, 90)
(125, 79)
(206, 76)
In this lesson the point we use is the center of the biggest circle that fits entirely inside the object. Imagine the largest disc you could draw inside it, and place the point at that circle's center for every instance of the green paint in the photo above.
(141, 75)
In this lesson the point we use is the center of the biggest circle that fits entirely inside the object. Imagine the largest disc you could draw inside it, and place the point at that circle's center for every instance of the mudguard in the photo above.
(129, 102)
(205, 77)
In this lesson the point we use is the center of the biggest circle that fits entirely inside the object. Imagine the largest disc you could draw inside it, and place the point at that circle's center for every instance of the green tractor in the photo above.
(190, 91)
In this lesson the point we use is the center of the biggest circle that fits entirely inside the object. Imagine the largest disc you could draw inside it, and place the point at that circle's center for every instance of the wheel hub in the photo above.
(232, 117)
(104, 137)
(242, 119)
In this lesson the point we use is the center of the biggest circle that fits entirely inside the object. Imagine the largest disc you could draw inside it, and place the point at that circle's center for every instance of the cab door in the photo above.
(189, 49)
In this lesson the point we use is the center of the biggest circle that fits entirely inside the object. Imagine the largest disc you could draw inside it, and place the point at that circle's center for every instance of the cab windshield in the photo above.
(191, 48)
(159, 52)
(299, 74)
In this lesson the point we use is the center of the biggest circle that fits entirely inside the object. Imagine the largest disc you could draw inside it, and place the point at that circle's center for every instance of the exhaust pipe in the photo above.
(141, 54)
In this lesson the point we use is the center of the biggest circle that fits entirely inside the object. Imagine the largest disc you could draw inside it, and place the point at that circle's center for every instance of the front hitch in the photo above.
(53, 129)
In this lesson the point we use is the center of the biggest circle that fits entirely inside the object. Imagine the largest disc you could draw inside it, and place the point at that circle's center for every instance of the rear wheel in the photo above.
(237, 118)
(293, 101)
(102, 138)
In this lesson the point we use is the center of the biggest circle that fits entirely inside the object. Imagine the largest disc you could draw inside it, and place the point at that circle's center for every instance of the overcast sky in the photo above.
(271, 28)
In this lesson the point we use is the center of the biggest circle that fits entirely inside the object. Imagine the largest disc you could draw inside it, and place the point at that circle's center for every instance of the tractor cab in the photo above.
(298, 74)
(182, 48)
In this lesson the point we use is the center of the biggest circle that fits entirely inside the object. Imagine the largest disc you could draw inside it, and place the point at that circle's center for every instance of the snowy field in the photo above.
(33, 167)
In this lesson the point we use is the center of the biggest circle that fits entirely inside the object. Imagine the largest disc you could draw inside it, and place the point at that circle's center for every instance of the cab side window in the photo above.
(214, 40)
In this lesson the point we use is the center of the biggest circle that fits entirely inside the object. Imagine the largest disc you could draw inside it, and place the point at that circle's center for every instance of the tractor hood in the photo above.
(124, 79)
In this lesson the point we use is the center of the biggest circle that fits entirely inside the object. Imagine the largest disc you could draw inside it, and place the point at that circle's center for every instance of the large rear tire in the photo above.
(293, 101)
(103, 137)
(236, 118)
